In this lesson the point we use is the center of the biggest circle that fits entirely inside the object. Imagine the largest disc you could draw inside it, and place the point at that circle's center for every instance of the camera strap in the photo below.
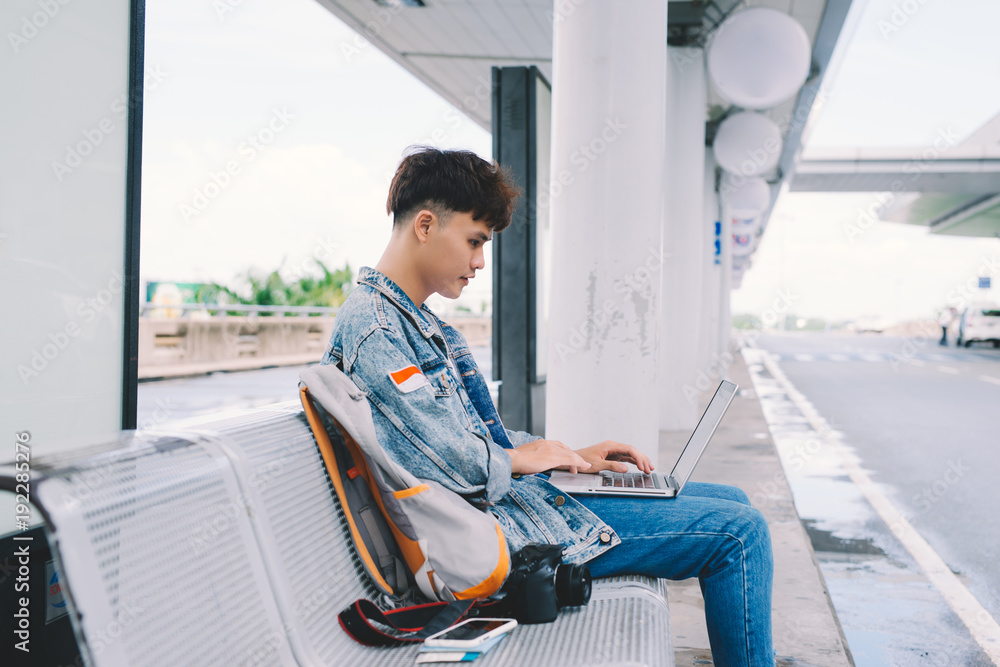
(405, 625)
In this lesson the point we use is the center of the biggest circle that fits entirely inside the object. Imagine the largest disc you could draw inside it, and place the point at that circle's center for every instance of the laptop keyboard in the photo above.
(627, 480)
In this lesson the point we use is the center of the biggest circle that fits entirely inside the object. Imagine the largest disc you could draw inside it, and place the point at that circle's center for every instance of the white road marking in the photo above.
(984, 628)
(803, 357)
(987, 378)
(917, 362)
(873, 357)
(837, 357)
(948, 369)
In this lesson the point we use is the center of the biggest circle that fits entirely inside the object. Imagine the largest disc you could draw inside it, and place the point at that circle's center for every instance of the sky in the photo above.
(271, 132)
(900, 77)
(316, 186)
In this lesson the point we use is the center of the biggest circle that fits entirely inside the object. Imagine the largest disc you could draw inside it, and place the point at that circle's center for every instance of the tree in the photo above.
(328, 290)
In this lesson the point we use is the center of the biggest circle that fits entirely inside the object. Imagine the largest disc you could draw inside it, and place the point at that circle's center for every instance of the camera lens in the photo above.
(572, 585)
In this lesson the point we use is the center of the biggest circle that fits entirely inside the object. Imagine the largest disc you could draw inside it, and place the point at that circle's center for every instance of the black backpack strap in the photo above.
(410, 624)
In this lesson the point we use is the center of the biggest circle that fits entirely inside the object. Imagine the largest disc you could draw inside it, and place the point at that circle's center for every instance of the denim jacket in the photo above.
(433, 414)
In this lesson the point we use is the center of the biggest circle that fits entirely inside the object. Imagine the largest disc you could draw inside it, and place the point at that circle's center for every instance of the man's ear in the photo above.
(422, 223)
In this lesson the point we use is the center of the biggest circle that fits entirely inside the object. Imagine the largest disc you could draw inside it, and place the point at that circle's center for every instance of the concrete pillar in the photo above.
(683, 239)
(712, 268)
(607, 189)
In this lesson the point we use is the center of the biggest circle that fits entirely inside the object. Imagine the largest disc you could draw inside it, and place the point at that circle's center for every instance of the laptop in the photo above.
(655, 484)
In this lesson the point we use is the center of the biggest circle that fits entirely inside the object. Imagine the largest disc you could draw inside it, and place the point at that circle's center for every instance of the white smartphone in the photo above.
(471, 632)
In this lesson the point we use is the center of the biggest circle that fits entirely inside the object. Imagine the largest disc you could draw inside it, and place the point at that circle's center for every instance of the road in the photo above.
(922, 422)
(164, 401)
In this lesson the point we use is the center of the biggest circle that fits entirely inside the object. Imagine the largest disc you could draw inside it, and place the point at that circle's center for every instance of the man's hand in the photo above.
(611, 455)
(542, 455)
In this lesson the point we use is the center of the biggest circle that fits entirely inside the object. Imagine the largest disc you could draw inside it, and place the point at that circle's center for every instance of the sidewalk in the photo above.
(805, 627)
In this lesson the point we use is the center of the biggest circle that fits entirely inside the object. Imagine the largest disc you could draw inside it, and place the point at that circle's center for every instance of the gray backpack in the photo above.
(407, 531)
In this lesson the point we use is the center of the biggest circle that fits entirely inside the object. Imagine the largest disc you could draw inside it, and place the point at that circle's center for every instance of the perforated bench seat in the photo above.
(222, 543)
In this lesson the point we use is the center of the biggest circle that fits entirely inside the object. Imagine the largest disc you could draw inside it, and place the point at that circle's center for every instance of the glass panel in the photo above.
(543, 231)
(63, 154)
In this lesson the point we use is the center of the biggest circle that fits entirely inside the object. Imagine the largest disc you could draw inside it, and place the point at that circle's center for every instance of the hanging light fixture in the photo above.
(749, 198)
(759, 58)
(747, 144)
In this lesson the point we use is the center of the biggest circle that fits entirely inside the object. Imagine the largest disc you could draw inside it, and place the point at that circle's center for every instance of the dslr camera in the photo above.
(540, 583)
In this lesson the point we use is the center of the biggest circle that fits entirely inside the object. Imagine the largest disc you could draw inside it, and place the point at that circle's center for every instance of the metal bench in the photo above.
(222, 543)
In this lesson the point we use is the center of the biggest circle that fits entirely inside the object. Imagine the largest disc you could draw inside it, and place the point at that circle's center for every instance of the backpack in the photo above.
(407, 531)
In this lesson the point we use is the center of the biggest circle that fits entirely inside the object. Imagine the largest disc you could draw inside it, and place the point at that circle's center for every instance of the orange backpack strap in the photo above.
(374, 569)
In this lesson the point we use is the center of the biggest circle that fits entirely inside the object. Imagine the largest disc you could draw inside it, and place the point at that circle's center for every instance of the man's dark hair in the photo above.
(452, 181)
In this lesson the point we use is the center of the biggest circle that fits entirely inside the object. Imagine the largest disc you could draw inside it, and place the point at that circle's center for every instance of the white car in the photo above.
(980, 323)
(869, 324)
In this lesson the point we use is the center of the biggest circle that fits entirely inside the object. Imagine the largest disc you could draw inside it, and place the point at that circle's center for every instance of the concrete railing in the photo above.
(182, 346)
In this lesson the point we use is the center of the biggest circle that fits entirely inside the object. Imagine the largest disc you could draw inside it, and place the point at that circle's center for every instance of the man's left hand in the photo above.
(611, 455)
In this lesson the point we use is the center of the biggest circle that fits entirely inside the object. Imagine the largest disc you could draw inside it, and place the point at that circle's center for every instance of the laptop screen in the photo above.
(703, 433)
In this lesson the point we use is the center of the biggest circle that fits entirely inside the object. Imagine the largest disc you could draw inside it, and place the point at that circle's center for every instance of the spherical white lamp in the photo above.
(748, 197)
(759, 58)
(747, 144)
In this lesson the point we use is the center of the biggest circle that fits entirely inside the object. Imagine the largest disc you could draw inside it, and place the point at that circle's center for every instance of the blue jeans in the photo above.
(709, 531)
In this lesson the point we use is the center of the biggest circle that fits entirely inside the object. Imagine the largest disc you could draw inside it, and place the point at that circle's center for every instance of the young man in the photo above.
(433, 414)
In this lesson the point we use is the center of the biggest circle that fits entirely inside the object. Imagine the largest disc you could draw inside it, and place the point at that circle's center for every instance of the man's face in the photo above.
(454, 252)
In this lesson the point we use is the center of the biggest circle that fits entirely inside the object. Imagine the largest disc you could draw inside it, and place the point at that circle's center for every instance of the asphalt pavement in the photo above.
(900, 428)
